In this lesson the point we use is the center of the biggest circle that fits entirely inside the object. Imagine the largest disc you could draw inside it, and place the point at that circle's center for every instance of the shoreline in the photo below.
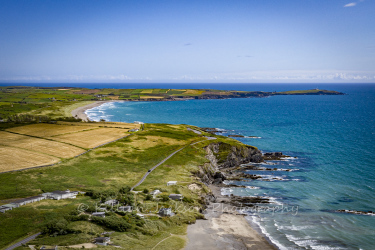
(80, 112)
(223, 228)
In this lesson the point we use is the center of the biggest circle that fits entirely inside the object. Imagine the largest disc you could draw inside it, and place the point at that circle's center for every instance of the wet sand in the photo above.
(80, 112)
(223, 228)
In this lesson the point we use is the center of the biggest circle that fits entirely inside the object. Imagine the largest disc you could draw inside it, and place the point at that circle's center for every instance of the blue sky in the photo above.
(253, 41)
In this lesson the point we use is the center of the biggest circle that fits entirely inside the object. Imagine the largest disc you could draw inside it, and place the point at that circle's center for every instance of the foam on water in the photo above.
(331, 136)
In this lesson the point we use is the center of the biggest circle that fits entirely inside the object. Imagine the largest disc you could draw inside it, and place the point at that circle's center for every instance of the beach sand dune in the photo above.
(80, 112)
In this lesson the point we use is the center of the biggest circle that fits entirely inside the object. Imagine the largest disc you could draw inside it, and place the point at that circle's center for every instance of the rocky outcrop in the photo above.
(229, 156)
(356, 212)
(222, 158)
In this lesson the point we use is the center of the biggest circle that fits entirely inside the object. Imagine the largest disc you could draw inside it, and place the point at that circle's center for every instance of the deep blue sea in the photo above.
(333, 138)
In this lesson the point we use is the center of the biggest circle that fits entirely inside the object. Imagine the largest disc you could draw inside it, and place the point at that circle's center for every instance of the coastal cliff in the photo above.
(223, 157)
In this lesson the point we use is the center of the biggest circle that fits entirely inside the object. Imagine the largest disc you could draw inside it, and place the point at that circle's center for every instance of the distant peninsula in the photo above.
(59, 102)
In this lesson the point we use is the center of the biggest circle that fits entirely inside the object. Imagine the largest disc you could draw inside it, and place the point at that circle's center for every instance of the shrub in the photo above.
(57, 226)
(82, 217)
(124, 190)
(164, 197)
(188, 200)
(145, 191)
(113, 222)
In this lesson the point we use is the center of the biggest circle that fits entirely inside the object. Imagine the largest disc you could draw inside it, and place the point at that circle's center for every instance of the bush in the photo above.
(57, 226)
(113, 222)
(127, 199)
(148, 197)
(145, 191)
(164, 197)
(82, 217)
(124, 190)
(188, 200)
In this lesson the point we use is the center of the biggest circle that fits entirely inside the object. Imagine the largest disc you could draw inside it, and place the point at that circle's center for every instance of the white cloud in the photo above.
(350, 4)
(277, 76)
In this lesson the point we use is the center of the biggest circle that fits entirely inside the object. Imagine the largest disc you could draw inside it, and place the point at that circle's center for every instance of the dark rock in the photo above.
(356, 212)
(239, 201)
(236, 136)
(220, 175)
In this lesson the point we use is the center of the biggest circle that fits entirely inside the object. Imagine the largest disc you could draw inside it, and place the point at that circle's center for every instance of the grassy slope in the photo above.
(108, 168)
(306, 92)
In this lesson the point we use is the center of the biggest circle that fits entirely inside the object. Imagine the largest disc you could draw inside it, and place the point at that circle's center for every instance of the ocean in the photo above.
(332, 138)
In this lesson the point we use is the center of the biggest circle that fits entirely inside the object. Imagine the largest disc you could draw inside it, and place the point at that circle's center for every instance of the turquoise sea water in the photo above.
(331, 136)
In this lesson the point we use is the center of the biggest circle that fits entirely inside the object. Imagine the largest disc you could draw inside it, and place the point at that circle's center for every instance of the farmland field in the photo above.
(151, 97)
(56, 141)
(92, 138)
(17, 158)
(43, 146)
(47, 130)
(103, 124)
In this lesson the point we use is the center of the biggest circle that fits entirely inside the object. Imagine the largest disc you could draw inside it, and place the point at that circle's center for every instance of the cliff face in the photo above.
(229, 156)
(222, 157)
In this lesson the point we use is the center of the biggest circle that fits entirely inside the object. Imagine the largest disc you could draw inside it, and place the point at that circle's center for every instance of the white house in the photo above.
(28, 200)
(58, 195)
(165, 212)
(112, 202)
(126, 208)
(99, 214)
(6, 207)
(155, 192)
(177, 197)
(169, 183)
(104, 241)
(49, 248)
(140, 215)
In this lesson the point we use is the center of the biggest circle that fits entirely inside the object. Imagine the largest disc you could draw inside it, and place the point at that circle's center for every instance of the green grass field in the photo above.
(108, 168)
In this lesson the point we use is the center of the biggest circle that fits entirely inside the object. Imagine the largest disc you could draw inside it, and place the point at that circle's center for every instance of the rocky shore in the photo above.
(225, 227)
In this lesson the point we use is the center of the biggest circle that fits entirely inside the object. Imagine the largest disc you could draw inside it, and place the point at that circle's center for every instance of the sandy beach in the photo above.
(80, 112)
(224, 228)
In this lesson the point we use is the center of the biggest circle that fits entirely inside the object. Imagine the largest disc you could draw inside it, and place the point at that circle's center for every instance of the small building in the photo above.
(169, 183)
(112, 202)
(134, 130)
(6, 207)
(140, 215)
(28, 200)
(155, 192)
(104, 241)
(125, 209)
(166, 212)
(49, 248)
(176, 197)
(99, 214)
(59, 195)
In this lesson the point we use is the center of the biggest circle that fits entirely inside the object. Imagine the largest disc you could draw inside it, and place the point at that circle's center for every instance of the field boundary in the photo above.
(50, 165)
(164, 160)
(44, 138)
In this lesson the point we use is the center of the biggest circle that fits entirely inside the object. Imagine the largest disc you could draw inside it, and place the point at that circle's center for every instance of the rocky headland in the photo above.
(225, 227)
